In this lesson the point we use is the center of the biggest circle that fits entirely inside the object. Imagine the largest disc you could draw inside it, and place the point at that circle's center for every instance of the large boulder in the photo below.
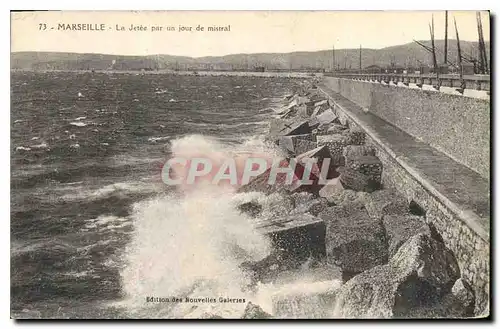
(355, 136)
(464, 296)
(326, 118)
(386, 202)
(459, 303)
(335, 144)
(352, 151)
(400, 228)
(358, 181)
(430, 260)
(318, 154)
(420, 273)
(262, 183)
(289, 143)
(302, 146)
(354, 242)
(334, 192)
(368, 165)
(303, 111)
(298, 128)
(294, 238)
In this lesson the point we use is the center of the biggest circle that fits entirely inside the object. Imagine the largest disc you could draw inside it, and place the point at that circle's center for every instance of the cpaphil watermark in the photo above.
(183, 171)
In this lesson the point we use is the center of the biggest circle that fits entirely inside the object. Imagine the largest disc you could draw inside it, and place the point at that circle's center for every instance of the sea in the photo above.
(94, 229)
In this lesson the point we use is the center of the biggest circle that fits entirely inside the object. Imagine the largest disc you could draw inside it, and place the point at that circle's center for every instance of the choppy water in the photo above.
(94, 231)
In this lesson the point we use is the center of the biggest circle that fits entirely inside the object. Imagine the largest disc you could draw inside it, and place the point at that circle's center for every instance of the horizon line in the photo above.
(230, 54)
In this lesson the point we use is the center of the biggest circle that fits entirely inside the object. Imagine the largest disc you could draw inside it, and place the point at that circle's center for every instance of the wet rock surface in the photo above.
(390, 263)
(416, 278)
(400, 228)
(354, 242)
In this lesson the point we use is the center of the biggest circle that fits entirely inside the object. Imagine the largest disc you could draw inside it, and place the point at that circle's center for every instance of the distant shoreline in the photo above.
(197, 73)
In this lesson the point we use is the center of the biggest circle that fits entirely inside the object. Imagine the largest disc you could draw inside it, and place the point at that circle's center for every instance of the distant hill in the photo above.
(401, 55)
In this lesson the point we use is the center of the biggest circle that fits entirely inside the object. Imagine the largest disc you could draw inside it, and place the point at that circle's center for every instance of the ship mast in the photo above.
(483, 60)
(434, 61)
(446, 37)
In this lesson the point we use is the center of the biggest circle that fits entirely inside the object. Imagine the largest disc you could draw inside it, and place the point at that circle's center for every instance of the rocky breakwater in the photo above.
(377, 255)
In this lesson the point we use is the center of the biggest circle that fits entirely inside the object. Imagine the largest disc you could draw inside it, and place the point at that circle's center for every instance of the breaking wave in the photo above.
(190, 243)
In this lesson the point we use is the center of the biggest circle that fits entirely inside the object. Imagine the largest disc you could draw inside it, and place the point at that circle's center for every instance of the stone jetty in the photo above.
(391, 262)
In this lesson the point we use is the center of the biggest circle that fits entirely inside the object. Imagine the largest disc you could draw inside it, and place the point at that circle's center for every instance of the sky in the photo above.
(250, 31)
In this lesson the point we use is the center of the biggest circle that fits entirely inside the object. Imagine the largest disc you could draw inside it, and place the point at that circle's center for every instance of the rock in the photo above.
(326, 117)
(319, 154)
(252, 208)
(353, 151)
(288, 143)
(303, 111)
(300, 185)
(342, 118)
(357, 181)
(302, 145)
(354, 242)
(309, 301)
(253, 311)
(335, 193)
(277, 205)
(313, 122)
(302, 198)
(430, 260)
(386, 202)
(299, 128)
(295, 238)
(287, 97)
(335, 144)
(318, 205)
(381, 292)
(400, 228)
(448, 308)
(262, 182)
(366, 164)
(464, 295)
(355, 136)
(334, 128)
(413, 279)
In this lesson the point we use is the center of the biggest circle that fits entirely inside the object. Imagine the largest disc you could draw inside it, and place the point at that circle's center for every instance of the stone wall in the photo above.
(457, 126)
(471, 250)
